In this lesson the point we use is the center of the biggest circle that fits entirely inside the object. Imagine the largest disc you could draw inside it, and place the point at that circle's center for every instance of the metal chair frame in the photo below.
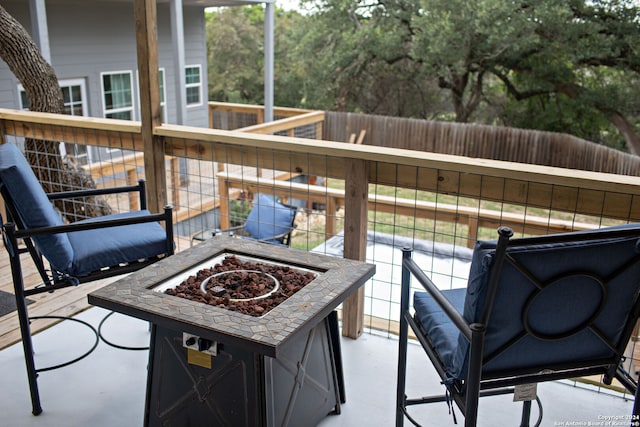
(478, 383)
(14, 231)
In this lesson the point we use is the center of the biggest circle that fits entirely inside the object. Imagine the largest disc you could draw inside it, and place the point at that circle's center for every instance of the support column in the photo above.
(39, 28)
(180, 98)
(268, 61)
(355, 239)
(147, 47)
(177, 41)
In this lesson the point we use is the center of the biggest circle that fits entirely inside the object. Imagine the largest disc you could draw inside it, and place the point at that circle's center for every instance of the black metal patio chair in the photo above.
(535, 309)
(269, 221)
(78, 252)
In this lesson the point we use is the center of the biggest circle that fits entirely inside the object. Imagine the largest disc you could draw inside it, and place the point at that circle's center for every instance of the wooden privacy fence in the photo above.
(481, 141)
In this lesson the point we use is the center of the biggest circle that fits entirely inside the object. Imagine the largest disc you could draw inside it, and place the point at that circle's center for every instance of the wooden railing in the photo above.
(289, 125)
(253, 110)
(129, 166)
(575, 192)
(471, 217)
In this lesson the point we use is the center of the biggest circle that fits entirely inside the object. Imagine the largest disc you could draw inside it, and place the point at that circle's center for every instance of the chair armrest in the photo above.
(66, 228)
(451, 312)
(227, 230)
(277, 236)
(140, 188)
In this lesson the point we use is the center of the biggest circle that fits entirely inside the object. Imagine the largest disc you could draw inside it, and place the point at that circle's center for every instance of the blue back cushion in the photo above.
(558, 302)
(33, 206)
(268, 218)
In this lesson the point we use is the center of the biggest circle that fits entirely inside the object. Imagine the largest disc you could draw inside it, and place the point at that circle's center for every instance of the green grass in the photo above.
(428, 229)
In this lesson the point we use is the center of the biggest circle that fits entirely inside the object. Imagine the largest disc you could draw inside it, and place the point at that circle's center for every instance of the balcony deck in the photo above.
(108, 387)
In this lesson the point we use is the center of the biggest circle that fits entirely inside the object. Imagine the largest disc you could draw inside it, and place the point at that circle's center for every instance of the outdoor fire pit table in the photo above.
(212, 366)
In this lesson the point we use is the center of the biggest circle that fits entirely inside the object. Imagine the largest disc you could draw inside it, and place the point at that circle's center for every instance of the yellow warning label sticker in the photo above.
(198, 358)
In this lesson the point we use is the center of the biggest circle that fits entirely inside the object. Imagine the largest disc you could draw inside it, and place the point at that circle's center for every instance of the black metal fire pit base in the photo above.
(209, 366)
(237, 387)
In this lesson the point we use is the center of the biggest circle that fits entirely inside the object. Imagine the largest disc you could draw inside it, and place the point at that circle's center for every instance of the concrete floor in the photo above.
(108, 388)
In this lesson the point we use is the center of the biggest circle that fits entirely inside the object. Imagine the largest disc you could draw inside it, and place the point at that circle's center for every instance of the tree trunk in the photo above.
(616, 118)
(40, 83)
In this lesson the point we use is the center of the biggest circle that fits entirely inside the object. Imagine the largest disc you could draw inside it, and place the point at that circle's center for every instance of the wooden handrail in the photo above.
(257, 110)
(254, 109)
(289, 124)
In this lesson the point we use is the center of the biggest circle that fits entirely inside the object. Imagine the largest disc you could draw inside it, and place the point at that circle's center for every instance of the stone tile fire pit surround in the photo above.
(140, 294)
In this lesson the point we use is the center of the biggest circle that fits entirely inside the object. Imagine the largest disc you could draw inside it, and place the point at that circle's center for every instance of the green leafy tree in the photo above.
(569, 61)
(235, 55)
(559, 65)
(358, 57)
(235, 43)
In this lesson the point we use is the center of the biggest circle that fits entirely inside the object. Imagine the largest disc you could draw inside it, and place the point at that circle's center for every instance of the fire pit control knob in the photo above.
(204, 344)
(200, 344)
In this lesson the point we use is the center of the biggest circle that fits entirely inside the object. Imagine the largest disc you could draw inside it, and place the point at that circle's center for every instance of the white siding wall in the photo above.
(8, 83)
(89, 37)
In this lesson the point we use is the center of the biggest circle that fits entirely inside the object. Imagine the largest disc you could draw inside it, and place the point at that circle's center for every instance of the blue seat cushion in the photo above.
(268, 218)
(442, 332)
(108, 247)
(33, 206)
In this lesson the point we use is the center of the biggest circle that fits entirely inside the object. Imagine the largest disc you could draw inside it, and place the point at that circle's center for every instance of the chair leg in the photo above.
(25, 331)
(526, 413)
(402, 342)
(402, 372)
(636, 407)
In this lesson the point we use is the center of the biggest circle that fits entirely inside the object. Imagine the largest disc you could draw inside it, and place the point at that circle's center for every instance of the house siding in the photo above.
(88, 38)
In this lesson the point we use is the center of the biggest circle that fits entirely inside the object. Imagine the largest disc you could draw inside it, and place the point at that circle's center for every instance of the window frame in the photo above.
(131, 109)
(188, 86)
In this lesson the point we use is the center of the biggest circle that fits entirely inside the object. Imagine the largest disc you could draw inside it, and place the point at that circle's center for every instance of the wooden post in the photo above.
(150, 111)
(473, 232)
(319, 130)
(223, 212)
(355, 239)
(134, 197)
(331, 228)
(174, 174)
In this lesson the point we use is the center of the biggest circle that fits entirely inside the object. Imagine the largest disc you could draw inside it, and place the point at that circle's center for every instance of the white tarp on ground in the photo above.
(446, 265)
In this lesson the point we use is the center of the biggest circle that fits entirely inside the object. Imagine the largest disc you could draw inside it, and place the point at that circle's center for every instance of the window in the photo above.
(74, 95)
(193, 85)
(24, 99)
(117, 95)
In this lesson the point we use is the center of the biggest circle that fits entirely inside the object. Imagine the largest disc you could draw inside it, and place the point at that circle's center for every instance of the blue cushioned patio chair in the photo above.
(535, 309)
(269, 221)
(79, 252)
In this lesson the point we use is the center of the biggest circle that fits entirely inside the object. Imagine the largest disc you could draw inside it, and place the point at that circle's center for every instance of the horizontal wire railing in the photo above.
(440, 205)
